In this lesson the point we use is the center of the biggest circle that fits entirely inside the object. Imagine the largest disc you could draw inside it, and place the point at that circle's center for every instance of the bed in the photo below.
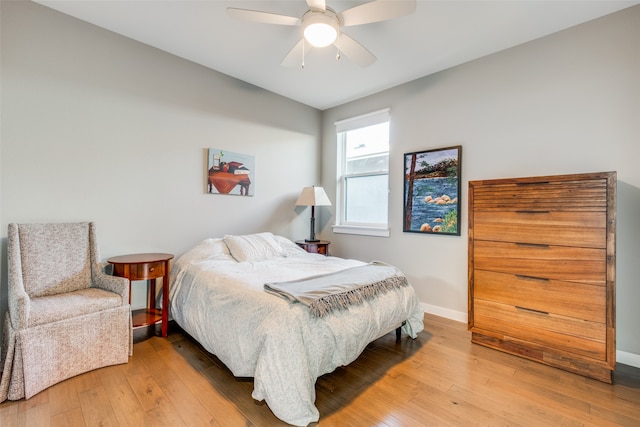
(218, 296)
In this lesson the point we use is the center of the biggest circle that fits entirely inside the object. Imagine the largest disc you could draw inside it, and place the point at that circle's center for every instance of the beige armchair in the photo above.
(66, 316)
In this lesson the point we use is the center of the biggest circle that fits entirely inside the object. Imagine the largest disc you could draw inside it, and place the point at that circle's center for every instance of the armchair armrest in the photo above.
(18, 300)
(118, 285)
(19, 308)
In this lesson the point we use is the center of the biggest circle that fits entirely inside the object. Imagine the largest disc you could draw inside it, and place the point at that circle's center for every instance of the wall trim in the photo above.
(447, 313)
(627, 358)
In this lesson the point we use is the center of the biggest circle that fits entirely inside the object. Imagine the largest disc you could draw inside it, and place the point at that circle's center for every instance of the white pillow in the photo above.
(290, 249)
(254, 247)
(213, 248)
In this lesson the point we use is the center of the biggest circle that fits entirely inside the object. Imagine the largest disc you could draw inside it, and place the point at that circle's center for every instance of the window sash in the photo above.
(354, 168)
(367, 164)
(356, 210)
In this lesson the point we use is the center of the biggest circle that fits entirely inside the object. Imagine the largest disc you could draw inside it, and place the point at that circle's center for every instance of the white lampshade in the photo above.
(313, 196)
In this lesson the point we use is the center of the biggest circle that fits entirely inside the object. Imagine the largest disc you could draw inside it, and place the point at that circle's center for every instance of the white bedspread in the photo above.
(222, 304)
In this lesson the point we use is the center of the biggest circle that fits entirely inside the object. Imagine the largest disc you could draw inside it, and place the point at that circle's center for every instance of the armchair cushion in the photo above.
(52, 308)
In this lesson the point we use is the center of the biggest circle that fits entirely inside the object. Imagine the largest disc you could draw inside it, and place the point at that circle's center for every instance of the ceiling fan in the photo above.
(322, 26)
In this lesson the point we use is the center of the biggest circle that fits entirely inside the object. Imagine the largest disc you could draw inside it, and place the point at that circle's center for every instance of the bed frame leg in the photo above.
(399, 331)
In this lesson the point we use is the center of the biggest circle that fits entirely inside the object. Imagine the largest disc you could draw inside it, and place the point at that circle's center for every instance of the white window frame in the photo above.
(342, 226)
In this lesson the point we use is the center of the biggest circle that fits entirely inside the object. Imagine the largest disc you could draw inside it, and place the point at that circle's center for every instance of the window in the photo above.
(363, 175)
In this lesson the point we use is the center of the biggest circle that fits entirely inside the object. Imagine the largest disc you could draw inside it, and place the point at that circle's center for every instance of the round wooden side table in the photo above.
(146, 266)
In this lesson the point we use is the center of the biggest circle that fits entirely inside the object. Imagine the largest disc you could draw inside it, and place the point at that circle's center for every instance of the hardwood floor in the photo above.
(439, 379)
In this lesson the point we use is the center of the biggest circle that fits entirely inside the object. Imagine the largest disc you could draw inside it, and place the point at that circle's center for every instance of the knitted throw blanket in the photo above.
(337, 291)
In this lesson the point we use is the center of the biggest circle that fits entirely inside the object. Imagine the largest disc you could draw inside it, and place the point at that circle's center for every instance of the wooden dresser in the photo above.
(542, 269)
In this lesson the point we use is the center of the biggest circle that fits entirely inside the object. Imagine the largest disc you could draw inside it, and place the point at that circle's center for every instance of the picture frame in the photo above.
(432, 191)
(230, 173)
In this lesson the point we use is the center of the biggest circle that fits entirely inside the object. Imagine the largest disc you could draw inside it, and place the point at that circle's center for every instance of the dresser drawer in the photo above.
(570, 264)
(566, 228)
(553, 296)
(521, 323)
(587, 195)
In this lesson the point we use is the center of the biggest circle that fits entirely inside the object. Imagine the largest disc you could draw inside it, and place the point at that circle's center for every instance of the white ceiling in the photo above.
(439, 35)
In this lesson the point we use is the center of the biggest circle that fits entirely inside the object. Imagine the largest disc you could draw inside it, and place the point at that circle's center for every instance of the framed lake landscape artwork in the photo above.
(432, 191)
(230, 173)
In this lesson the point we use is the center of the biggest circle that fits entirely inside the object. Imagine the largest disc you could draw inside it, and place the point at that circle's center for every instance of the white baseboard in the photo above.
(447, 313)
(627, 358)
(623, 357)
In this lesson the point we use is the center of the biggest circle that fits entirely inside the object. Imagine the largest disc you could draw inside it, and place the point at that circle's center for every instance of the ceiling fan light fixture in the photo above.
(320, 29)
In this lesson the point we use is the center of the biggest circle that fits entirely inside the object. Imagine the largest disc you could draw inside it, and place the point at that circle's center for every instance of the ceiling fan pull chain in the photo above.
(302, 54)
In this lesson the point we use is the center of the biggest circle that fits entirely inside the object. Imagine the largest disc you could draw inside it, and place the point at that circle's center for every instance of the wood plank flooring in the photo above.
(439, 379)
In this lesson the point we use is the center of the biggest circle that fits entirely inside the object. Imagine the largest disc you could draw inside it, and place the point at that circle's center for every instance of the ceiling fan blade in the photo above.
(262, 17)
(376, 11)
(354, 50)
(317, 5)
(295, 57)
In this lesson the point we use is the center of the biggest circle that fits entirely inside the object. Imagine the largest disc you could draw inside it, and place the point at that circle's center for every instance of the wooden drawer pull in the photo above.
(533, 245)
(532, 183)
(540, 279)
(532, 212)
(532, 310)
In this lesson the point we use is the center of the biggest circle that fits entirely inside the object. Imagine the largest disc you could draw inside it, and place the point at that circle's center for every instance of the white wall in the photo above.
(98, 127)
(566, 103)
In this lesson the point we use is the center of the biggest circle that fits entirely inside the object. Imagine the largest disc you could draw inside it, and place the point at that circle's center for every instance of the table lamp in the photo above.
(313, 196)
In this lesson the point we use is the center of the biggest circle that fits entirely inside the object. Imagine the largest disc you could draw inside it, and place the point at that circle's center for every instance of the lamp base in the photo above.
(312, 231)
